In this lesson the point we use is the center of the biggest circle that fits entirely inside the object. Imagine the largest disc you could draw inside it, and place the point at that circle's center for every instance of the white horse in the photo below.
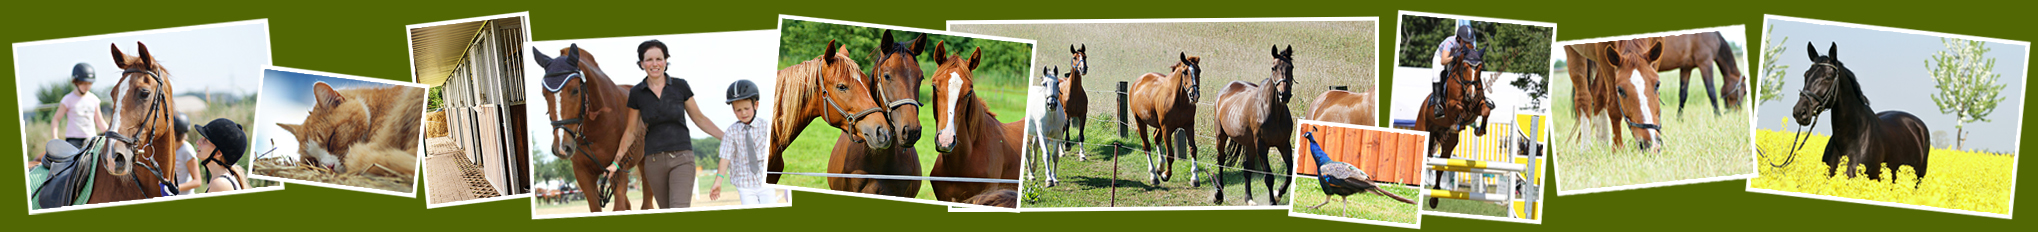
(1044, 122)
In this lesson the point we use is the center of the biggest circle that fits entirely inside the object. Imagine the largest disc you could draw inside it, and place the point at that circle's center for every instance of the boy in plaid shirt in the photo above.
(743, 148)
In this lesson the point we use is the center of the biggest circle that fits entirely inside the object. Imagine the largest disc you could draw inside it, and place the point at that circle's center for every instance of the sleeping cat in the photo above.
(351, 130)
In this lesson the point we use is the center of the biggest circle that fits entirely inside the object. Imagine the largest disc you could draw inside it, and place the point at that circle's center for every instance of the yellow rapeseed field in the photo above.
(1980, 182)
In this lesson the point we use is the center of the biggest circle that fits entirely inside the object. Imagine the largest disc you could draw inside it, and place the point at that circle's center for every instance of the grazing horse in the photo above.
(1465, 101)
(972, 142)
(1075, 102)
(832, 88)
(1588, 67)
(1860, 134)
(587, 120)
(1703, 51)
(1254, 117)
(1635, 100)
(142, 127)
(1167, 102)
(896, 80)
(1346, 107)
(1046, 123)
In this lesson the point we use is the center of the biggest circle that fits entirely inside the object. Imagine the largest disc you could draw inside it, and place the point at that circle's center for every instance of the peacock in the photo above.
(1342, 179)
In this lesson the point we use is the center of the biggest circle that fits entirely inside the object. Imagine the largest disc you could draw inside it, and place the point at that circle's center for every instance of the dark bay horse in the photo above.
(1465, 101)
(1076, 103)
(142, 118)
(1167, 103)
(832, 88)
(588, 120)
(1703, 51)
(972, 142)
(896, 78)
(1253, 117)
(1357, 108)
(1860, 134)
(1635, 100)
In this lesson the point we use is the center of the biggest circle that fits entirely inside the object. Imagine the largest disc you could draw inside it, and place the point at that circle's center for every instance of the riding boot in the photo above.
(1436, 100)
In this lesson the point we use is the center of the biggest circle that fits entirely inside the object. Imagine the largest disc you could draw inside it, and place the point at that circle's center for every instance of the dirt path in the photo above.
(729, 198)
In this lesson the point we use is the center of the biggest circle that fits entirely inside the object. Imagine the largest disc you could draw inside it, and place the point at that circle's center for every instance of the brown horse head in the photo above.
(1080, 56)
(832, 88)
(954, 94)
(897, 86)
(1189, 72)
(1827, 82)
(577, 94)
(1635, 82)
(1284, 74)
(142, 115)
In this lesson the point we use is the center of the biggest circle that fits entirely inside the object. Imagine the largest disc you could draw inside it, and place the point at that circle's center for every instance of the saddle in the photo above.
(64, 179)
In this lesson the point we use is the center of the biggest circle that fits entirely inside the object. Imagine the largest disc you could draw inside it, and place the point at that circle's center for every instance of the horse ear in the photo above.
(1811, 51)
(918, 44)
(542, 59)
(572, 52)
(1084, 49)
(324, 95)
(975, 57)
(1655, 51)
(940, 53)
(147, 60)
(119, 58)
(1611, 55)
(1185, 58)
(1288, 53)
(1832, 52)
(884, 45)
(1277, 51)
(828, 54)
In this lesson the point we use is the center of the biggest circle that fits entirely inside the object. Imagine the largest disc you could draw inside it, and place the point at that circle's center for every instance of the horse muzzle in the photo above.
(877, 137)
(944, 142)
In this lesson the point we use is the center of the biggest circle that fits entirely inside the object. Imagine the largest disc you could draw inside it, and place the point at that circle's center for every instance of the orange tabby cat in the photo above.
(353, 130)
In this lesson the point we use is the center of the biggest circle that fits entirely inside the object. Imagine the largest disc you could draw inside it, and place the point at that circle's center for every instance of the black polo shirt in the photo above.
(664, 117)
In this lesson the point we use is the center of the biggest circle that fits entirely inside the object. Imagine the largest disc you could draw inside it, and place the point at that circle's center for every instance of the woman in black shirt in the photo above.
(665, 104)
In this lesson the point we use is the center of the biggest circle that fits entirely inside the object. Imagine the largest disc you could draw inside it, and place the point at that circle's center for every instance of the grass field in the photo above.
(810, 151)
(1361, 206)
(1980, 182)
(1089, 183)
(1699, 143)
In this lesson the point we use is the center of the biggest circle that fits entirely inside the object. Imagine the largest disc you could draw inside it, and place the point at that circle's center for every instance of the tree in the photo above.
(1419, 38)
(1966, 82)
(1769, 86)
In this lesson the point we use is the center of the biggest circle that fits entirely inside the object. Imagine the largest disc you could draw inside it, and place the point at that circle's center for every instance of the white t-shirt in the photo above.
(82, 121)
(184, 156)
(1443, 49)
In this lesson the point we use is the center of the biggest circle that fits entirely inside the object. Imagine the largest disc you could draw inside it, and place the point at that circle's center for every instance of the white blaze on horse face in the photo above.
(947, 135)
(556, 132)
(1642, 99)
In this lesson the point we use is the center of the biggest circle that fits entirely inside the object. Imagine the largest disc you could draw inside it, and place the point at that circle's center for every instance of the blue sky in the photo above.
(1892, 69)
(216, 57)
(289, 100)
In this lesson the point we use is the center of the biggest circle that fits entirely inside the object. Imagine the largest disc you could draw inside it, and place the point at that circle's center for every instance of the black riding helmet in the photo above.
(1465, 34)
(226, 137)
(82, 73)
(741, 90)
(183, 124)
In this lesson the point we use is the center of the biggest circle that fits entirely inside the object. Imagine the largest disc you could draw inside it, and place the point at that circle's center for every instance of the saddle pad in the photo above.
(67, 183)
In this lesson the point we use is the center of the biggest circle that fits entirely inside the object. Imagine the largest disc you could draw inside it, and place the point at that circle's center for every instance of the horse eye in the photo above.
(843, 87)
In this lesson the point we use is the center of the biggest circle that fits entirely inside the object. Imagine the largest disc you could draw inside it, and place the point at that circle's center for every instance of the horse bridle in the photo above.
(607, 190)
(155, 99)
(858, 116)
(1475, 83)
(1824, 99)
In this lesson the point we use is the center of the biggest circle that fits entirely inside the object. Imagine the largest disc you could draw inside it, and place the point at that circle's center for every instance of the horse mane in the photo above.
(1849, 82)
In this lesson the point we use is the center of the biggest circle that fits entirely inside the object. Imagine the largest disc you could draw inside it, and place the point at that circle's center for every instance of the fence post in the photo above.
(1339, 88)
(1122, 119)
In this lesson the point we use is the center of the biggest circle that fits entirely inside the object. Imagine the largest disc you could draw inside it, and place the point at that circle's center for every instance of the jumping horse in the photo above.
(1075, 102)
(1254, 117)
(587, 117)
(1167, 102)
(827, 87)
(1464, 99)
(1046, 124)
(1860, 134)
(972, 142)
(896, 78)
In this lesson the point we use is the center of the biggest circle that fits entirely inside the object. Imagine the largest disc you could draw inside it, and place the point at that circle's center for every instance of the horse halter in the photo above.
(155, 99)
(1824, 99)
(858, 116)
(1632, 123)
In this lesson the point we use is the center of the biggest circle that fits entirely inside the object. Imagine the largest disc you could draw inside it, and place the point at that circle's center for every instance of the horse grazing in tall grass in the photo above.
(1167, 103)
(1254, 117)
(1635, 99)
(972, 142)
(588, 118)
(895, 81)
(1860, 134)
(1703, 51)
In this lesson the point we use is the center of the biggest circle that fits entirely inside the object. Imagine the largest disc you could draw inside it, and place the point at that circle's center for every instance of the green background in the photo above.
(363, 38)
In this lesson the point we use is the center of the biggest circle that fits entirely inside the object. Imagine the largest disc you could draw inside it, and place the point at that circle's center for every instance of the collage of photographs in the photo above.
(1470, 117)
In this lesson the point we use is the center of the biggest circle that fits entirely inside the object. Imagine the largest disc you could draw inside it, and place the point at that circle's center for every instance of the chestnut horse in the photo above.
(1635, 99)
(1703, 51)
(1346, 107)
(896, 81)
(1588, 67)
(1254, 117)
(142, 114)
(587, 126)
(1860, 134)
(830, 87)
(972, 142)
(1465, 101)
(1167, 102)
(1076, 103)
